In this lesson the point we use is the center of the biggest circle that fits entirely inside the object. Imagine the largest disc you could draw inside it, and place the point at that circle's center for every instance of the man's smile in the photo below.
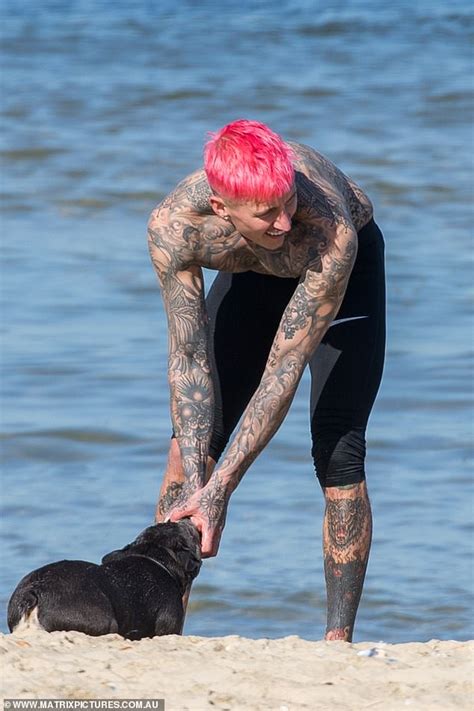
(275, 233)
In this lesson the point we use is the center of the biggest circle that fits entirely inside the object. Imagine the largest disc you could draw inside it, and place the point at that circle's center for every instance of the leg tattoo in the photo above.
(347, 536)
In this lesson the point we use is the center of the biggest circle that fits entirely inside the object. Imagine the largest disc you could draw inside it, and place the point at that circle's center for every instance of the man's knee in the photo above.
(339, 457)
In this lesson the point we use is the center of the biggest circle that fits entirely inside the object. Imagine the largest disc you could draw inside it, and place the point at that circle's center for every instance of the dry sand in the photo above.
(235, 673)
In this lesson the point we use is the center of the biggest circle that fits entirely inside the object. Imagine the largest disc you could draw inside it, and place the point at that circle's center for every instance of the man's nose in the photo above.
(283, 222)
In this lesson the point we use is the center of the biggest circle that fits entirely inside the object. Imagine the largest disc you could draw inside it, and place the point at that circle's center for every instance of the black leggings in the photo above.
(346, 368)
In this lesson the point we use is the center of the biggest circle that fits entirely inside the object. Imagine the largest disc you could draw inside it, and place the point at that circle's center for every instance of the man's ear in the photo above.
(218, 205)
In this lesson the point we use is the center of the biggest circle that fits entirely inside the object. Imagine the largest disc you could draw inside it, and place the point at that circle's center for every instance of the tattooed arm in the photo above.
(191, 391)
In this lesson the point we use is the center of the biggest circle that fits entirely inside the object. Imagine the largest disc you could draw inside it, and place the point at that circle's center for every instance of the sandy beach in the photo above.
(236, 673)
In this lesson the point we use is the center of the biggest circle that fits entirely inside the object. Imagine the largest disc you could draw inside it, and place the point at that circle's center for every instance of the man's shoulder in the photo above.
(190, 196)
(301, 149)
(197, 191)
(310, 161)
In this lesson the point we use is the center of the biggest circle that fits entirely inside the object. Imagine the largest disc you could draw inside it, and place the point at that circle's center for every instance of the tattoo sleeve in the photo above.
(191, 390)
(307, 317)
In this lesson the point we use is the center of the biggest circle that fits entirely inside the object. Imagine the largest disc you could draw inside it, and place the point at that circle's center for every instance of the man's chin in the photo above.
(274, 241)
(267, 241)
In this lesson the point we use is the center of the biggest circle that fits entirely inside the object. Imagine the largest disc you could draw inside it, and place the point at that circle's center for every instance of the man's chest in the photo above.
(233, 253)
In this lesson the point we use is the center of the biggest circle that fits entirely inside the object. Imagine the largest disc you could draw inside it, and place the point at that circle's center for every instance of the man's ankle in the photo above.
(339, 633)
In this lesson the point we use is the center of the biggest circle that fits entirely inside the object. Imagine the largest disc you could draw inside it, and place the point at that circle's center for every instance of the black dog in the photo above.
(136, 592)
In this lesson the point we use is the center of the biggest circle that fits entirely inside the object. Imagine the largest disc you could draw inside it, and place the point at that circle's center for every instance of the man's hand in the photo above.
(207, 509)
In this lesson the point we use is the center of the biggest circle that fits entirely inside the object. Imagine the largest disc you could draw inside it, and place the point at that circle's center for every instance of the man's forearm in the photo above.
(263, 416)
(192, 413)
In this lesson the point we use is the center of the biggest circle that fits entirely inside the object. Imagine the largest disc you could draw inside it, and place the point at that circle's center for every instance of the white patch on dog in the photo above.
(29, 621)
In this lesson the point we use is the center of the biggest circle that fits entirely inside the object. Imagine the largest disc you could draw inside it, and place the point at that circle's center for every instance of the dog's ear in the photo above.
(119, 553)
(188, 548)
(114, 555)
(190, 562)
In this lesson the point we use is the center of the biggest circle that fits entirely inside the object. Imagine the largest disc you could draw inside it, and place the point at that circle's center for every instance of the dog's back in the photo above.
(67, 595)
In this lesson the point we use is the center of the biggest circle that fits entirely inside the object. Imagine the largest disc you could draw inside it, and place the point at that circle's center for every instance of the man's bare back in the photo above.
(194, 235)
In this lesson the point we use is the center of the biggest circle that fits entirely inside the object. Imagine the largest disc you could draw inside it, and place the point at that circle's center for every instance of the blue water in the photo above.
(105, 106)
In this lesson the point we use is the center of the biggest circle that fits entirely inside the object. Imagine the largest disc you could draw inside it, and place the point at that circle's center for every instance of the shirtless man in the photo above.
(301, 282)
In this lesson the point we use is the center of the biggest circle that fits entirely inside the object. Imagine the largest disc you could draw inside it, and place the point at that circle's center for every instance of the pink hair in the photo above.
(246, 160)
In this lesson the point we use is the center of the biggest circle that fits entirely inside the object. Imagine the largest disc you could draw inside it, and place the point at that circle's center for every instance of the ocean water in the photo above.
(105, 106)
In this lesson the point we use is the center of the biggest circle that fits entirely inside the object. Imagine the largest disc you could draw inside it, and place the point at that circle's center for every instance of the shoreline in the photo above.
(226, 673)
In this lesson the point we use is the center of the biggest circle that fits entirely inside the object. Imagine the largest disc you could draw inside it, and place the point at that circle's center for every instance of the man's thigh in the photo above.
(347, 368)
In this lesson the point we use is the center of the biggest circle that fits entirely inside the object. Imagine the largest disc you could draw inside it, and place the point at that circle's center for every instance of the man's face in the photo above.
(265, 224)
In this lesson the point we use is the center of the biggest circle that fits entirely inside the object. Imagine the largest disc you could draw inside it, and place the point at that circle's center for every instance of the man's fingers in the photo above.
(178, 514)
(209, 543)
(210, 537)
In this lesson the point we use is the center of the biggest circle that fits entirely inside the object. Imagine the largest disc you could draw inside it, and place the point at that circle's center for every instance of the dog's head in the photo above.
(176, 545)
